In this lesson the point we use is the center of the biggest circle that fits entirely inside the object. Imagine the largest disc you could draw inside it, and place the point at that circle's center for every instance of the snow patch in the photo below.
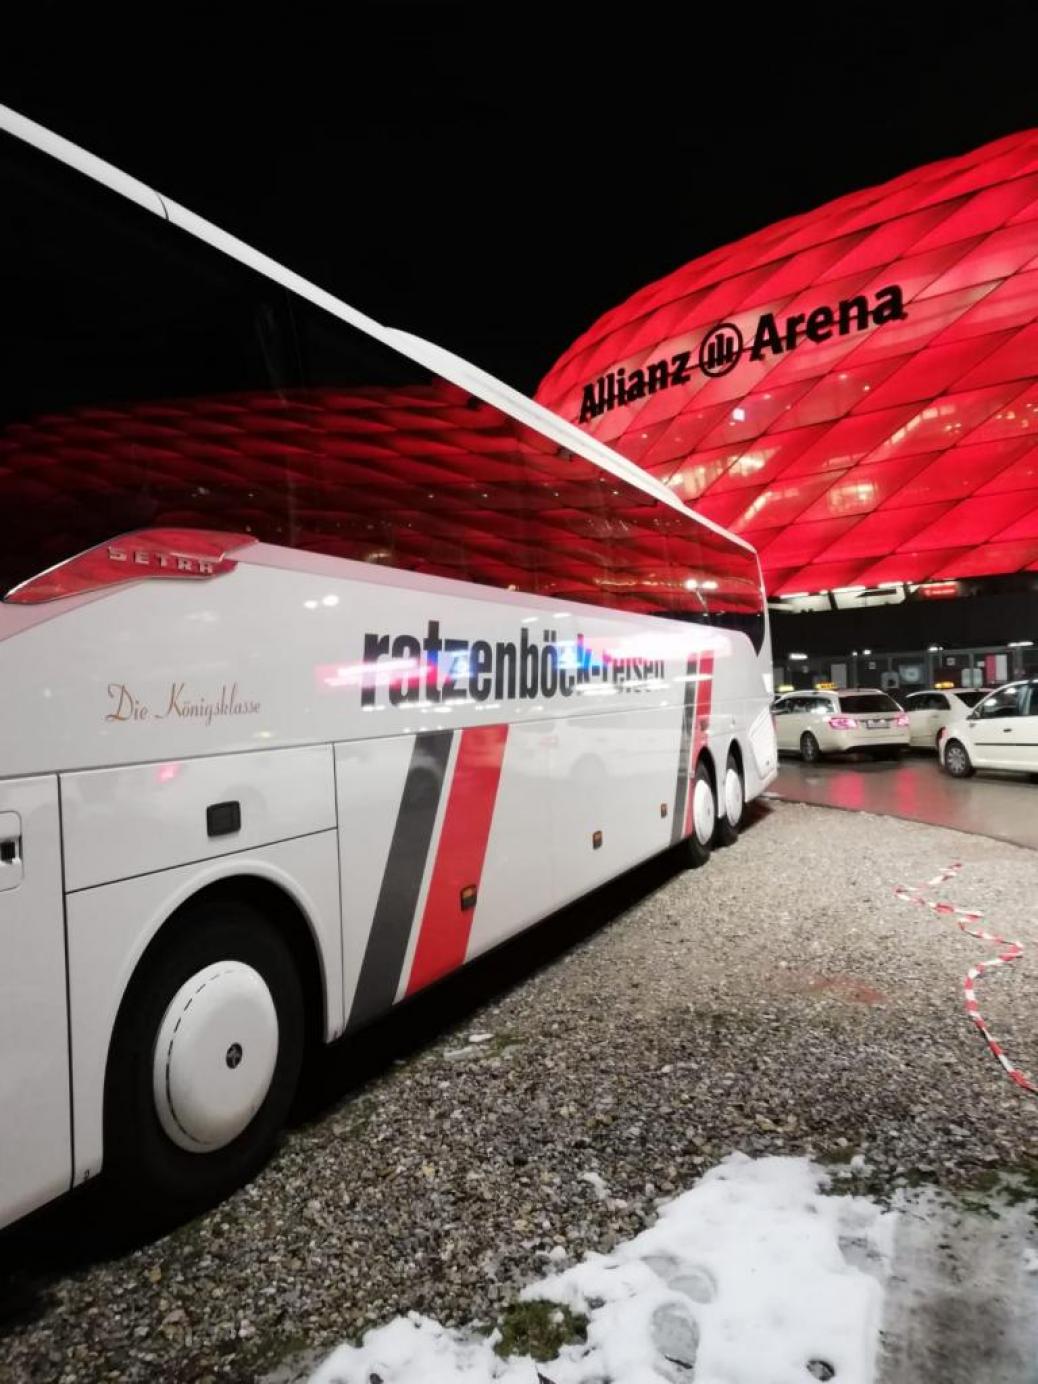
(741, 1280)
(596, 1182)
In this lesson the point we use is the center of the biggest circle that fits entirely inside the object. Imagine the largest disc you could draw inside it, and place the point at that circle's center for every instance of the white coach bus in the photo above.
(327, 662)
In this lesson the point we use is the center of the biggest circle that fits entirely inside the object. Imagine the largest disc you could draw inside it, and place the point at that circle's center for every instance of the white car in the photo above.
(1001, 732)
(929, 712)
(814, 724)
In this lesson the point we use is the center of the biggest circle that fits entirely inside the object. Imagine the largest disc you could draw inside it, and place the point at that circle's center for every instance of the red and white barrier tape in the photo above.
(963, 916)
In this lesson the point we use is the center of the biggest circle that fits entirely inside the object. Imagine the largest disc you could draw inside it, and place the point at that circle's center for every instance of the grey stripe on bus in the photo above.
(402, 880)
(677, 826)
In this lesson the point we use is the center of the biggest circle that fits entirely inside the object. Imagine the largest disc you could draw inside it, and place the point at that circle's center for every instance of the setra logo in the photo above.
(183, 563)
(191, 554)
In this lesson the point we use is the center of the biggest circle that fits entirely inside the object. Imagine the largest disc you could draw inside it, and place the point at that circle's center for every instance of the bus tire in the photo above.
(204, 1060)
(730, 805)
(704, 819)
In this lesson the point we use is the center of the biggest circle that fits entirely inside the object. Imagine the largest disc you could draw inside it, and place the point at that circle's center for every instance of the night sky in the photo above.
(495, 177)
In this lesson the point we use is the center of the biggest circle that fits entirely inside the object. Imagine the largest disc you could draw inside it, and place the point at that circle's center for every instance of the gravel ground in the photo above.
(779, 1001)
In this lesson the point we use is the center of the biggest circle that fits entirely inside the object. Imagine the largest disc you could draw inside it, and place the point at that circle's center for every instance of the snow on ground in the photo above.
(755, 1276)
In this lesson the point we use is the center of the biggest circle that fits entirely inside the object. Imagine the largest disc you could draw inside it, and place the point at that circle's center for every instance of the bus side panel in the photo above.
(518, 883)
(563, 781)
(147, 817)
(35, 1135)
(762, 764)
(612, 774)
(741, 709)
(110, 927)
(454, 852)
(385, 788)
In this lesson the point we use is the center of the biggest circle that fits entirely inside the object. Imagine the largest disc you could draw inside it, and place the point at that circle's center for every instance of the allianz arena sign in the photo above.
(854, 389)
(723, 346)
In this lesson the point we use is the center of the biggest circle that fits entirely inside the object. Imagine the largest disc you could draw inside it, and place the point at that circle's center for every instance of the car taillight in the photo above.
(843, 723)
(901, 720)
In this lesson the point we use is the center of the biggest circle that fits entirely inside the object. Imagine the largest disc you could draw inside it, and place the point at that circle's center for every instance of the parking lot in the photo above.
(992, 804)
(541, 1104)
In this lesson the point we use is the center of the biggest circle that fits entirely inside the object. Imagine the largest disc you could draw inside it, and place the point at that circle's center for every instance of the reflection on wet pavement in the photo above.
(991, 804)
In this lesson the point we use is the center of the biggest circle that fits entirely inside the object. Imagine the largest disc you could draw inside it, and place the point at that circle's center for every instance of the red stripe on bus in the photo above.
(443, 938)
(701, 725)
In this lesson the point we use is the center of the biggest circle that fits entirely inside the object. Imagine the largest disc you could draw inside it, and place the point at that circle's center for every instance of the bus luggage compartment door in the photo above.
(35, 1144)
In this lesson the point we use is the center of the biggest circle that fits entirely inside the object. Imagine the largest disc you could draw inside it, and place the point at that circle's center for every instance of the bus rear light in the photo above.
(169, 554)
(843, 723)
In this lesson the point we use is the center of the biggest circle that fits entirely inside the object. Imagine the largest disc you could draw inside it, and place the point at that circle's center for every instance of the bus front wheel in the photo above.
(204, 1060)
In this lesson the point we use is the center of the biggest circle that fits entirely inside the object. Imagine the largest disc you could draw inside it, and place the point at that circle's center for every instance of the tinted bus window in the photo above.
(154, 382)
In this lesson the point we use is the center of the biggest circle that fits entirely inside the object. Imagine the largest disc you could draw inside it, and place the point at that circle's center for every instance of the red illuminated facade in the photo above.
(425, 478)
(854, 390)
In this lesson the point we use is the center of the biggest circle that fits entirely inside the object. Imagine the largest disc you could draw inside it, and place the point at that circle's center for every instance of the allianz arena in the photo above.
(855, 390)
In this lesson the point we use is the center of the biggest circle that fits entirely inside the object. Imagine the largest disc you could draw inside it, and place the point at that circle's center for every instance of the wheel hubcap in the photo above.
(733, 797)
(215, 1055)
(703, 811)
(955, 759)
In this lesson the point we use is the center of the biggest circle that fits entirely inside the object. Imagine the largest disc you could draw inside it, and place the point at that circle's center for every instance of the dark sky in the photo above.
(495, 176)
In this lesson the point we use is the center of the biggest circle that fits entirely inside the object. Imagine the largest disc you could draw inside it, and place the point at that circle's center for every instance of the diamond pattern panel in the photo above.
(425, 478)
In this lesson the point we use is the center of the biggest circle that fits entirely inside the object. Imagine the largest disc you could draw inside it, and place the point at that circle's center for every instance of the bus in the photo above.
(327, 662)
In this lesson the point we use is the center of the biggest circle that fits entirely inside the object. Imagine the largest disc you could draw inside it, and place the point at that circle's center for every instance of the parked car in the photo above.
(814, 724)
(929, 712)
(1001, 732)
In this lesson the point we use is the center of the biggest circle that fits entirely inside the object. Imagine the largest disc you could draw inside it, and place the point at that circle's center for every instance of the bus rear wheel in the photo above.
(732, 799)
(697, 844)
(205, 1059)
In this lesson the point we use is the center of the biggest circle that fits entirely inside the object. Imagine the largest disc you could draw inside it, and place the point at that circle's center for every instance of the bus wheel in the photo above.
(729, 809)
(205, 1058)
(704, 819)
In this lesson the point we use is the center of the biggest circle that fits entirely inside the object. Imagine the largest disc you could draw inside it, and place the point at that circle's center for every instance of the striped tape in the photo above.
(963, 918)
